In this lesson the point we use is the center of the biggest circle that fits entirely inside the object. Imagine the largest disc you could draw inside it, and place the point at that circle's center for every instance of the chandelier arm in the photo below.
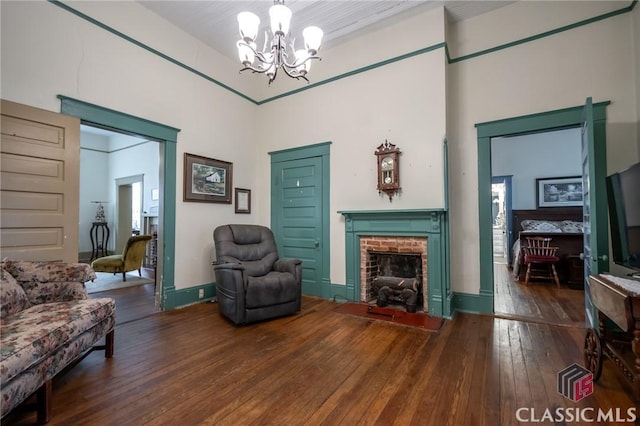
(297, 64)
(294, 74)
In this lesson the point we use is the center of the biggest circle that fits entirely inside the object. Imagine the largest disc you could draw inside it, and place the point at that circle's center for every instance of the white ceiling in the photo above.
(214, 21)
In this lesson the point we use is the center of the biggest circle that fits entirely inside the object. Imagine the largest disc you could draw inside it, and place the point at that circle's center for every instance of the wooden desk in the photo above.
(617, 299)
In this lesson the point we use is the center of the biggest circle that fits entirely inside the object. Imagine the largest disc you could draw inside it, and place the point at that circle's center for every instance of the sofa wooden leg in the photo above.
(43, 401)
(109, 344)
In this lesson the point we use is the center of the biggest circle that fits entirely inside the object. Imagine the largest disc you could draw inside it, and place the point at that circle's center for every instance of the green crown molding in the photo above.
(148, 48)
(357, 71)
(427, 49)
(545, 34)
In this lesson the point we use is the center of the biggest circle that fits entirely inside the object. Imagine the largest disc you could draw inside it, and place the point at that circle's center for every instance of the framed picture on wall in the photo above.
(243, 200)
(559, 192)
(207, 180)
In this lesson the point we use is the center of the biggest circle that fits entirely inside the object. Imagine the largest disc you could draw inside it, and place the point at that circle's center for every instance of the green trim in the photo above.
(339, 293)
(322, 150)
(537, 122)
(188, 296)
(427, 49)
(105, 117)
(472, 303)
(298, 153)
(148, 48)
(563, 118)
(168, 136)
(544, 34)
(357, 71)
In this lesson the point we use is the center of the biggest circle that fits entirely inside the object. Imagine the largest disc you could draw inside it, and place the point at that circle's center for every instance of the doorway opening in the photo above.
(112, 172)
(517, 162)
(499, 220)
(129, 207)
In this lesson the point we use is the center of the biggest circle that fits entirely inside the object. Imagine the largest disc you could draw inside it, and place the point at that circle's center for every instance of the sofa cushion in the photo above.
(12, 296)
(29, 336)
(38, 292)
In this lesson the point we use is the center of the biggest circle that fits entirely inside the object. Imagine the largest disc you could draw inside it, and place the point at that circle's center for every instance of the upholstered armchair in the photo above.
(252, 282)
(130, 259)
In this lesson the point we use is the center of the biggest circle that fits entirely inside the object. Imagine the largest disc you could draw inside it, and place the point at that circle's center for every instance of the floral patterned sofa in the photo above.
(46, 322)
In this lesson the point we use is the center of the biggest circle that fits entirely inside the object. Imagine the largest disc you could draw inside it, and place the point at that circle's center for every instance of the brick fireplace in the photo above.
(412, 232)
(375, 248)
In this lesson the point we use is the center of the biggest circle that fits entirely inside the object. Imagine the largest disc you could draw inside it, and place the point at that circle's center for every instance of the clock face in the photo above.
(387, 163)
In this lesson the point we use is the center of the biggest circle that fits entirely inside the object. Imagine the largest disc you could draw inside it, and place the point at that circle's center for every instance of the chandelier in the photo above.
(270, 61)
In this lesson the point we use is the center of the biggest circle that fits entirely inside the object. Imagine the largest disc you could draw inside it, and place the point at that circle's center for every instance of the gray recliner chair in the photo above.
(252, 283)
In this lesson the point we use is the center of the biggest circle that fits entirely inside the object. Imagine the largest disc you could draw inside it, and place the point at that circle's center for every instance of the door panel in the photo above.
(297, 223)
(594, 169)
(39, 187)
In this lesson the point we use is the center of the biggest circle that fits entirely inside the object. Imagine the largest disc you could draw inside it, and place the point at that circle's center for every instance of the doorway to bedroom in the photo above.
(517, 164)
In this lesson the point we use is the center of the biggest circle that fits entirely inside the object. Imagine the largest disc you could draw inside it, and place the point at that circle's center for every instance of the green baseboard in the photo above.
(473, 303)
(188, 296)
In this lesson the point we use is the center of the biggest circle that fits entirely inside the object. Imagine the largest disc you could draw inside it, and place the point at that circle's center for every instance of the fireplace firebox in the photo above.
(393, 270)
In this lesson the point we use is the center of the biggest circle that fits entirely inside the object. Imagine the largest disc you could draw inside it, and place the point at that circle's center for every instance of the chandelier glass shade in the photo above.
(294, 63)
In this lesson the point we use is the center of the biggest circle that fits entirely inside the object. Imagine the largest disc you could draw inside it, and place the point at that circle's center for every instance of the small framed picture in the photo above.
(559, 192)
(207, 180)
(243, 200)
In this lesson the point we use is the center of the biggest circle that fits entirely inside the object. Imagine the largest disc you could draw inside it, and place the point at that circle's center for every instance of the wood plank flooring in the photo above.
(539, 301)
(189, 366)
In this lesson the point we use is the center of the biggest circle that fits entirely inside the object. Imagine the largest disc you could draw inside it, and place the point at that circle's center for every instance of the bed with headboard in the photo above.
(562, 224)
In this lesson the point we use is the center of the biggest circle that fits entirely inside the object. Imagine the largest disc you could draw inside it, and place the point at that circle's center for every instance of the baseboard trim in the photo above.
(472, 303)
(173, 298)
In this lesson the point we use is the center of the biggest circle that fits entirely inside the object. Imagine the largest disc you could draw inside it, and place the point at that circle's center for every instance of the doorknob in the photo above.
(604, 258)
(581, 256)
(317, 243)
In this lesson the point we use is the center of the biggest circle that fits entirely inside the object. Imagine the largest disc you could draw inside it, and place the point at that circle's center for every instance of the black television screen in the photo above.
(623, 195)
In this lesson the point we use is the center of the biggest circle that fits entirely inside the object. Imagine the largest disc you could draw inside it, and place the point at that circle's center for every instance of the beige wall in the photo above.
(47, 51)
(551, 73)
(357, 114)
(414, 103)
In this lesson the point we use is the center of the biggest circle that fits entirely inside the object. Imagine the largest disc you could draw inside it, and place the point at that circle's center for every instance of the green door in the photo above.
(296, 216)
(594, 171)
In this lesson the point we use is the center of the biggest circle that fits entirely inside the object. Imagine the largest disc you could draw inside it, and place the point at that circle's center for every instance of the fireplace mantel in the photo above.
(430, 223)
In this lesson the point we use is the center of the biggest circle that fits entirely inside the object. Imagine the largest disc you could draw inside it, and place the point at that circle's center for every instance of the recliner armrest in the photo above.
(228, 265)
(287, 265)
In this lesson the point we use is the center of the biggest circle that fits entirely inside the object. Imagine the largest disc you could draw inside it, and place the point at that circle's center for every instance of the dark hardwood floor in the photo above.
(190, 366)
(135, 302)
(539, 301)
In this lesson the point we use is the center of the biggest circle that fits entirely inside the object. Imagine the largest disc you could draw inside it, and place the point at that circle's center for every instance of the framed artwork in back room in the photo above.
(559, 192)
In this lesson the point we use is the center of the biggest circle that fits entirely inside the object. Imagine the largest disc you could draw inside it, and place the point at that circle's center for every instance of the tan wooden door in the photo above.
(39, 184)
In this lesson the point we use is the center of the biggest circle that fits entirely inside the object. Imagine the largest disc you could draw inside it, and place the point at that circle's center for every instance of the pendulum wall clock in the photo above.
(388, 168)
